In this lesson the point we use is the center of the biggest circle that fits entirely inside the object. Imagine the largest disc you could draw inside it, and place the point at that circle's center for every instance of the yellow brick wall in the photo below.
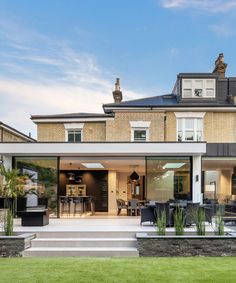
(55, 132)
(220, 127)
(170, 127)
(94, 131)
(119, 129)
(51, 132)
(10, 137)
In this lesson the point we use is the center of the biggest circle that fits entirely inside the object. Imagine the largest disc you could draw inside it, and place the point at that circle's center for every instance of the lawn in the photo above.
(91, 270)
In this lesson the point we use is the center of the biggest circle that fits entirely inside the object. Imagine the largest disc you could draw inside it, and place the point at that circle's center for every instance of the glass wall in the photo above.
(41, 183)
(168, 178)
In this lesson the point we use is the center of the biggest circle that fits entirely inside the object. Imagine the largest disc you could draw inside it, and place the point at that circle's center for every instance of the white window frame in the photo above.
(140, 126)
(182, 116)
(194, 86)
(73, 127)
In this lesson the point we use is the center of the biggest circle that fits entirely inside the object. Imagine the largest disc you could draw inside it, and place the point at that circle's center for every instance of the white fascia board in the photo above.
(72, 120)
(173, 109)
(103, 149)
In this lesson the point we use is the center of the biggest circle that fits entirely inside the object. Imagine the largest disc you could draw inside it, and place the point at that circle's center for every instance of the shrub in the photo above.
(200, 222)
(179, 221)
(161, 223)
(219, 224)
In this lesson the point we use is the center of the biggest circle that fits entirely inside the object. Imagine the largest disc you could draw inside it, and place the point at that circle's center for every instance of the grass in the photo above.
(47, 270)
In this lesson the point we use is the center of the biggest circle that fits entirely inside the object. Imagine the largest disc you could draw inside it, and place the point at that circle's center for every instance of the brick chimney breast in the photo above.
(117, 93)
(220, 66)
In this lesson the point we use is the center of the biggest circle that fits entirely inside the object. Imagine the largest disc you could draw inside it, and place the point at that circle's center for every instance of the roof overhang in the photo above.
(104, 149)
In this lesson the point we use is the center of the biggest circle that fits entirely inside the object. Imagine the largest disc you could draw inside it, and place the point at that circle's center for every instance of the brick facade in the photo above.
(220, 127)
(217, 128)
(10, 137)
(55, 132)
(119, 129)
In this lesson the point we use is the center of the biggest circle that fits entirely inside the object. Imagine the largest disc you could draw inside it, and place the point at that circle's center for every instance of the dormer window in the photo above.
(198, 88)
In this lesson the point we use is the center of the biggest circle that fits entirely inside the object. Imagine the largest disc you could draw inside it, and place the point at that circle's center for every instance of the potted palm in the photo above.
(11, 189)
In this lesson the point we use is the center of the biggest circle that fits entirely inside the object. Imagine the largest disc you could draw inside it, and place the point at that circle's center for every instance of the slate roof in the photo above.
(164, 101)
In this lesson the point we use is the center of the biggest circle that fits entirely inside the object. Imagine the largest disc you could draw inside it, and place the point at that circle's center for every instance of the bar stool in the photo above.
(78, 203)
(65, 205)
(89, 204)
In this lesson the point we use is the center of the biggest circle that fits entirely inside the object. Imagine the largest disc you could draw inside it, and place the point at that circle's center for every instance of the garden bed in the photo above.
(187, 245)
(13, 246)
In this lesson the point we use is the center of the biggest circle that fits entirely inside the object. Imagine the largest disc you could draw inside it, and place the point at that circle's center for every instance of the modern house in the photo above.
(180, 145)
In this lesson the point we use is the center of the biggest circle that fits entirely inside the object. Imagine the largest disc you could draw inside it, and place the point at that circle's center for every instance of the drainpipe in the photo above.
(164, 127)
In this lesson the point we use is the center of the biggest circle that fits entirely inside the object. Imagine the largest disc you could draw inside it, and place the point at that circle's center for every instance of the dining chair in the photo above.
(133, 207)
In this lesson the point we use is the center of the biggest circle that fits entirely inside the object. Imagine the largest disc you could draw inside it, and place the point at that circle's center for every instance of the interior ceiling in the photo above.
(111, 163)
(220, 164)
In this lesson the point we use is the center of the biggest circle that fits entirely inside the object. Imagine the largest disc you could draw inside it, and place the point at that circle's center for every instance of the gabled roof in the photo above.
(16, 132)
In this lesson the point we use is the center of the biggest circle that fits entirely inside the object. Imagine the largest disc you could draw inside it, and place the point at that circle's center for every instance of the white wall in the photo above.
(112, 187)
(197, 167)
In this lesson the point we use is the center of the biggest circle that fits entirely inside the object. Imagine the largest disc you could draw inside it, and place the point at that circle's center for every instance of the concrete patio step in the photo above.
(86, 234)
(83, 242)
(81, 252)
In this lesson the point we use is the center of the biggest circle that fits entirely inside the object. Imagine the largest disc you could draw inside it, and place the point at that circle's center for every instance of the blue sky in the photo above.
(61, 56)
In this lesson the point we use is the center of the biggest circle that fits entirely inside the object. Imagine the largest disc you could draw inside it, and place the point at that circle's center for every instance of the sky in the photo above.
(62, 56)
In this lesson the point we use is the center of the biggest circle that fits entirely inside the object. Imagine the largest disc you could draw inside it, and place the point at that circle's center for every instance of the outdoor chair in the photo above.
(147, 215)
(121, 205)
(190, 213)
(208, 214)
(133, 207)
(160, 207)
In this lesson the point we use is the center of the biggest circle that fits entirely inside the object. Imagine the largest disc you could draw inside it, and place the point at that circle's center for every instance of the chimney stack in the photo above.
(117, 93)
(220, 66)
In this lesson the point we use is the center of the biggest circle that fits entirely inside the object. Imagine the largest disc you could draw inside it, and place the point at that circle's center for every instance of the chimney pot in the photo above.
(117, 93)
(220, 66)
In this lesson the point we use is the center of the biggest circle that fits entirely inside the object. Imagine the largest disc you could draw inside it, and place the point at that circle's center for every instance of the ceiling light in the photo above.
(93, 165)
(173, 165)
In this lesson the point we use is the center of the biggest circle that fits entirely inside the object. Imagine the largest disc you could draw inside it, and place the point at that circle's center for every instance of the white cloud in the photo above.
(213, 6)
(41, 75)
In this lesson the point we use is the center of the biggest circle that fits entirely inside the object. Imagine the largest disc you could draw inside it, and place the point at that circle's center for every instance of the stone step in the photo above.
(84, 242)
(81, 252)
(86, 234)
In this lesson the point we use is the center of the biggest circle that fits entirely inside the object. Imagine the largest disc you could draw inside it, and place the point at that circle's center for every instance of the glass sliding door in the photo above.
(168, 178)
(42, 173)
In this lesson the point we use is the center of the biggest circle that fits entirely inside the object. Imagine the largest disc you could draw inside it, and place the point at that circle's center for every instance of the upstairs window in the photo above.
(140, 135)
(197, 88)
(74, 136)
(74, 132)
(189, 129)
(140, 131)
